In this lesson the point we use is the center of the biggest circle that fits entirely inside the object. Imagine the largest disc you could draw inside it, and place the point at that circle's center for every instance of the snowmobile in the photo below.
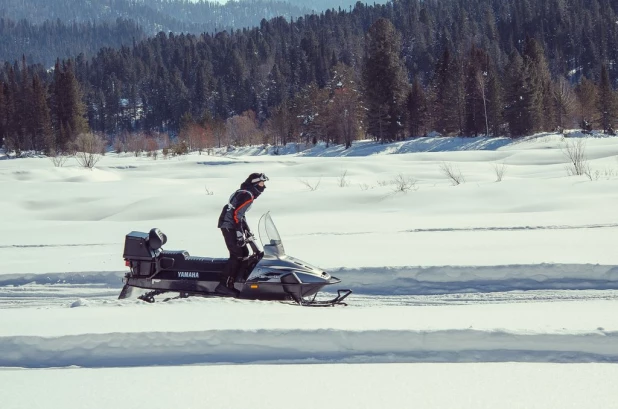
(269, 274)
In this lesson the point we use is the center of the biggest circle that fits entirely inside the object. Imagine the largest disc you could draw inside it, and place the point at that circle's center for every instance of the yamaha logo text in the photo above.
(188, 274)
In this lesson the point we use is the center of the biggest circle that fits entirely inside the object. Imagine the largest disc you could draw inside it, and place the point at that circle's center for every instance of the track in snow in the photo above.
(371, 286)
(59, 295)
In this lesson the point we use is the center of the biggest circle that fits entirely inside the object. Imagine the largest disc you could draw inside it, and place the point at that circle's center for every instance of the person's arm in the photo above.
(245, 226)
(242, 202)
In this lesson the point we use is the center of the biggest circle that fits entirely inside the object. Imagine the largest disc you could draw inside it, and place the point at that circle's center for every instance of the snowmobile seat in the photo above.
(182, 261)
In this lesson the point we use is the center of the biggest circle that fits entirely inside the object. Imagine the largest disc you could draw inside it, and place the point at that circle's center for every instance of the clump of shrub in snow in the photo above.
(455, 176)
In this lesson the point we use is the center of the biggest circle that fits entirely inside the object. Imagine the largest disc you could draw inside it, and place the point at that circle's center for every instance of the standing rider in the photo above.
(235, 229)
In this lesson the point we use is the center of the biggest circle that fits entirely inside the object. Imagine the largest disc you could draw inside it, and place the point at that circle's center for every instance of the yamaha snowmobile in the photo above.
(264, 275)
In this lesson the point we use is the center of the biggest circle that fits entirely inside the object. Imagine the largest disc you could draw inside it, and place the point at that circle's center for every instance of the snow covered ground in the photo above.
(482, 294)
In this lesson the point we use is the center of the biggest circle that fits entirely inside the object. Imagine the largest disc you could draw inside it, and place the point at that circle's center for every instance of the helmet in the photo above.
(254, 179)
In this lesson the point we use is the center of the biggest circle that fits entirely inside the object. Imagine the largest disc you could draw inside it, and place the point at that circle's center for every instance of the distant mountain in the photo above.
(44, 43)
(43, 30)
(155, 15)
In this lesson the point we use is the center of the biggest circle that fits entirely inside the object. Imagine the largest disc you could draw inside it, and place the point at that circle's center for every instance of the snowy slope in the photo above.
(451, 283)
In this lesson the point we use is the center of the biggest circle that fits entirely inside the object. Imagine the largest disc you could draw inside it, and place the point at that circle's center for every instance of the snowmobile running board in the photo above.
(338, 300)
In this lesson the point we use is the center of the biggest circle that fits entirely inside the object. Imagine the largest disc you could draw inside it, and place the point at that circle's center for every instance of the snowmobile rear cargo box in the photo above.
(136, 247)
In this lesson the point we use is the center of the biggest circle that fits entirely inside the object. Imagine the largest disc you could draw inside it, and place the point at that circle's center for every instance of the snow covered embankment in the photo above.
(303, 346)
(453, 279)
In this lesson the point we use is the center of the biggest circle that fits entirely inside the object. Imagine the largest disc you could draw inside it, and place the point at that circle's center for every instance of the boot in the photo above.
(226, 287)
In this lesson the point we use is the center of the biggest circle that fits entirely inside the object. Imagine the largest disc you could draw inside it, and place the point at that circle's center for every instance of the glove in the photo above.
(248, 234)
(240, 238)
(247, 231)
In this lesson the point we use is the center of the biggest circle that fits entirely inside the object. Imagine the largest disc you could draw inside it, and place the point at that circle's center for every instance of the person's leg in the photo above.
(241, 268)
(236, 255)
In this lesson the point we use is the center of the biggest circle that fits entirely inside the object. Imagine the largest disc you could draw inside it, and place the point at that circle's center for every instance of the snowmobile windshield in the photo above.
(269, 235)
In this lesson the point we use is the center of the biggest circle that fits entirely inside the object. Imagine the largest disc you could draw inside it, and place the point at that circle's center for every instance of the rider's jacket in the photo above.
(233, 213)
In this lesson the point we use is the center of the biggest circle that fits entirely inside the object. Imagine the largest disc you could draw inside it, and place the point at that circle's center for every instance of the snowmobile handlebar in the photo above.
(250, 241)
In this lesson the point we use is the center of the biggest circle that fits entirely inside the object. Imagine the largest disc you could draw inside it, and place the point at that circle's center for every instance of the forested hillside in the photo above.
(44, 30)
(155, 15)
(388, 71)
(46, 42)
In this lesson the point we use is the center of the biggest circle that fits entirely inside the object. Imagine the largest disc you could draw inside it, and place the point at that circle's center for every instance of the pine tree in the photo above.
(519, 98)
(417, 109)
(384, 81)
(68, 109)
(606, 102)
(201, 92)
(222, 105)
(448, 102)
(495, 103)
(476, 93)
(13, 129)
(24, 109)
(276, 87)
(40, 119)
(112, 109)
(178, 98)
(539, 86)
(2, 114)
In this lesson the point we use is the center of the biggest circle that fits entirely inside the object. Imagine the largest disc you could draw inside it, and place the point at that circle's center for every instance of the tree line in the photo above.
(405, 68)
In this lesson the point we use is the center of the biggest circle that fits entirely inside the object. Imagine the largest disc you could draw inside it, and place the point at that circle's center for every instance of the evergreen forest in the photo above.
(389, 71)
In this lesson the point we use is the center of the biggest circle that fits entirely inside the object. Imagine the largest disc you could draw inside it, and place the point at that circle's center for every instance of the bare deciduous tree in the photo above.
(281, 125)
(242, 129)
(152, 147)
(119, 146)
(565, 100)
(205, 140)
(218, 131)
(135, 143)
(88, 148)
(588, 97)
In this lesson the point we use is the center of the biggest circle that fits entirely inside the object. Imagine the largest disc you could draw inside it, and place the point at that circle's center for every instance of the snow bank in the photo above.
(454, 279)
(305, 346)
(199, 331)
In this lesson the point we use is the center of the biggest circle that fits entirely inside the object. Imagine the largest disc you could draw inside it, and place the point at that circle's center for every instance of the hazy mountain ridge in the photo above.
(155, 15)
(44, 30)
(22, 39)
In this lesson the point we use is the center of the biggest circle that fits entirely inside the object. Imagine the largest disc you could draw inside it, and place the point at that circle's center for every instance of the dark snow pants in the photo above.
(236, 255)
